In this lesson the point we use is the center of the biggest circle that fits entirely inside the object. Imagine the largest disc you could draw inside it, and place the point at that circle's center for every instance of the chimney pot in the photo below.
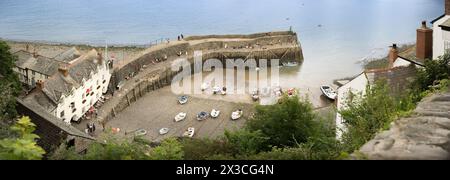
(393, 55)
(424, 43)
(40, 84)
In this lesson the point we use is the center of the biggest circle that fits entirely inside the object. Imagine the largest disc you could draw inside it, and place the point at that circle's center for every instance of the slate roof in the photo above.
(68, 56)
(41, 64)
(58, 85)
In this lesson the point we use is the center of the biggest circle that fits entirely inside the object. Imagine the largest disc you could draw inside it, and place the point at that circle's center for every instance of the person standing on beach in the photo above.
(179, 38)
(182, 37)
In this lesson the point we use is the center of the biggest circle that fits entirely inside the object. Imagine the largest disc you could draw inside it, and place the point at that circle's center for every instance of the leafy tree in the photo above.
(24, 147)
(433, 72)
(284, 124)
(7, 64)
(170, 149)
(247, 142)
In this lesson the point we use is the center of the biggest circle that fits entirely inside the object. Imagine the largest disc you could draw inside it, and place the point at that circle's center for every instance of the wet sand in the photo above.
(158, 108)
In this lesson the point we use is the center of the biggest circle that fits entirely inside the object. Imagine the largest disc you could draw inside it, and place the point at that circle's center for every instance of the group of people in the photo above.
(180, 37)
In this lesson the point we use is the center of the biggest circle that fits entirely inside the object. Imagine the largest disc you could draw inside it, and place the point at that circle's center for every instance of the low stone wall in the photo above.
(423, 136)
(241, 36)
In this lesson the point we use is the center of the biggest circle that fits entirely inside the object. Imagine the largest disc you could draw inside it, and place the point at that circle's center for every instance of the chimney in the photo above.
(393, 55)
(63, 70)
(40, 84)
(99, 58)
(447, 7)
(424, 44)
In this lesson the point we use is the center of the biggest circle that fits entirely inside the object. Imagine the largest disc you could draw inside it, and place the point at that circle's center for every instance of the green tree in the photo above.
(24, 147)
(247, 142)
(7, 64)
(433, 72)
(287, 123)
(170, 149)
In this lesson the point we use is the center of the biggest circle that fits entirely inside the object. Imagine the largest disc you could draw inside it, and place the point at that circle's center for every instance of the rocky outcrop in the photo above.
(423, 136)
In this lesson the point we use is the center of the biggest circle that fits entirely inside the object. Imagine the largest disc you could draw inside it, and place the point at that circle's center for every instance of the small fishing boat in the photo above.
(329, 92)
(205, 86)
(217, 89)
(224, 91)
(255, 95)
(163, 131)
(202, 116)
(290, 64)
(236, 114)
(180, 117)
(215, 113)
(140, 132)
(183, 100)
(189, 133)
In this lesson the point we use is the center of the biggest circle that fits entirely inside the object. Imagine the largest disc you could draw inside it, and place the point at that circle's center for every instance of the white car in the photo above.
(180, 117)
(189, 133)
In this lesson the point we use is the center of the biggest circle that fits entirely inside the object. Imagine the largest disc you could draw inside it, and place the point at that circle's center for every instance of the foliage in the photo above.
(24, 147)
(247, 142)
(433, 72)
(170, 149)
(203, 149)
(285, 124)
(7, 63)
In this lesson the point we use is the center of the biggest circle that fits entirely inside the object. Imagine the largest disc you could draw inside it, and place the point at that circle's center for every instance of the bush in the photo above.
(284, 124)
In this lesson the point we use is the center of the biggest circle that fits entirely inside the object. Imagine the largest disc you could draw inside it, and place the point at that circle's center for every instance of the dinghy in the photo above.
(215, 113)
(202, 116)
(163, 131)
(140, 132)
(236, 115)
(329, 92)
(183, 100)
(180, 117)
(255, 95)
(224, 91)
(205, 86)
(290, 64)
(217, 89)
(189, 133)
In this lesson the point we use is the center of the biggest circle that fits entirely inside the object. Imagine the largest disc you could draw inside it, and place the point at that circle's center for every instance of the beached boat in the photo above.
(224, 91)
(163, 131)
(202, 116)
(215, 113)
(140, 132)
(205, 86)
(189, 133)
(236, 114)
(329, 92)
(255, 95)
(183, 99)
(180, 117)
(217, 89)
(290, 64)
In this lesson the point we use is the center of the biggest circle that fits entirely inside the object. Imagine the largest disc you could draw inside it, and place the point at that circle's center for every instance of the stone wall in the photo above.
(242, 36)
(52, 131)
(425, 135)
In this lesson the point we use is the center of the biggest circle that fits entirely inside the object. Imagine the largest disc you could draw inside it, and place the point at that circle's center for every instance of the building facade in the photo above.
(441, 32)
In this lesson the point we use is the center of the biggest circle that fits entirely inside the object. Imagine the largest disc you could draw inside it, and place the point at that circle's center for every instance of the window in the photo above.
(72, 105)
(98, 87)
(61, 115)
(84, 101)
(446, 46)
(74, 110)
(104, 81)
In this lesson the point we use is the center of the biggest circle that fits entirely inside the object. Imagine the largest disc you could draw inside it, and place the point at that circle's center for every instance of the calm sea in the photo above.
(335, 34)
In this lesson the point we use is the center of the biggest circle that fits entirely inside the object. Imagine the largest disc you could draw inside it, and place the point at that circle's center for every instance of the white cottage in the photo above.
(74, 90)
(441, 32)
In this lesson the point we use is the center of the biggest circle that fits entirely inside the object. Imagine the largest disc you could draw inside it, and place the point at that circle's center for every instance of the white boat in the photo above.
(329, 92)
(205, 86)
(202, 116)
(189, 133)
(215, 113)
(183, 100)
(217, 89)
(236, 115)
(290, 64)
(163, 131)
(255, 95)
(180, 117)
